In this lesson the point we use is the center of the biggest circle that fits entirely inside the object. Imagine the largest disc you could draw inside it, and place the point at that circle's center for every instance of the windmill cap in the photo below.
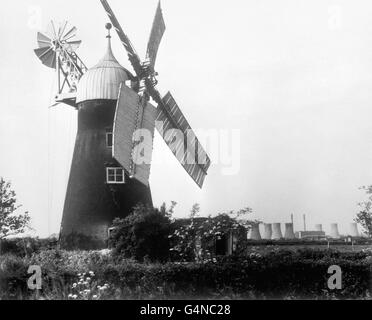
(102, 82)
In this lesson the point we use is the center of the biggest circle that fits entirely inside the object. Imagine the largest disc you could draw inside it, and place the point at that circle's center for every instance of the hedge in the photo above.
(276, 275)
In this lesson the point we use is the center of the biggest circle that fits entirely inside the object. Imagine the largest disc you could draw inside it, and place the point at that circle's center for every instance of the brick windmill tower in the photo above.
(106, 179)
(99, 190)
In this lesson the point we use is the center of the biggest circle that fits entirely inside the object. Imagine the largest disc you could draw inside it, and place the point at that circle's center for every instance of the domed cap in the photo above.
(102, 82)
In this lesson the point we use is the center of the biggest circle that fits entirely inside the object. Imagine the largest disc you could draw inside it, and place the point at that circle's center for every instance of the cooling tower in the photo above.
(268, 231)
(354, 230)
(318, 227)
(255, 232)
(277, 232)
(334, 231)
(289, 232)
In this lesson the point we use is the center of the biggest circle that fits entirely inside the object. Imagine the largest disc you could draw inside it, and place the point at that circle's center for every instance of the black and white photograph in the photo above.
(167, 151)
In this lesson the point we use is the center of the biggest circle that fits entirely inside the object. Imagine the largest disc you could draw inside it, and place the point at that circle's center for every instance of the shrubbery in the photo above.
(195, 239)
(277, 274)
(144, 235)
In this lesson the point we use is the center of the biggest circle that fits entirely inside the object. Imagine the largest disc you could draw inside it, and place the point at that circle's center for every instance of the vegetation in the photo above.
(144, 235)
(11, 222)
(364, 216)
(194, 239)
(270, 275)
(154, 256)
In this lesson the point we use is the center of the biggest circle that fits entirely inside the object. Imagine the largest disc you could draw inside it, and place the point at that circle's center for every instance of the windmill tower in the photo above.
(99, 190)
(116, 122)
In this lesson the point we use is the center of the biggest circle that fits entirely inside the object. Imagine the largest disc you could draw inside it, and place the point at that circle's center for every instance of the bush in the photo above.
(194, 239)
(13, 277)
(275, 275)
(144, 235)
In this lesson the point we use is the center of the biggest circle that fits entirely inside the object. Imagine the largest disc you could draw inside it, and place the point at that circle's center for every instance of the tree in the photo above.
(11, 223)
(144, 234)
(364, 216)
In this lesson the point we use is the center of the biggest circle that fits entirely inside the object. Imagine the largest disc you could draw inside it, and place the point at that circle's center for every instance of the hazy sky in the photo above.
(294, 77)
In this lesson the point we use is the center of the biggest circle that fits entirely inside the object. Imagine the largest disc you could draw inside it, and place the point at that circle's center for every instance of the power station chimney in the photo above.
(268, 231)
(277, 232)
(318, 227)
(289, 232)
(304, 222)
(334, 231)
(255, 232)
(354, 230)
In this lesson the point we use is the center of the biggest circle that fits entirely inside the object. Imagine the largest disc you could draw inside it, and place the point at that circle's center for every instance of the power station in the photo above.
(274, 231)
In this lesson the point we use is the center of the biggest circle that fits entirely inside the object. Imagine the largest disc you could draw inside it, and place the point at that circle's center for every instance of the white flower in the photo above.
(74, 285)
(95, 297)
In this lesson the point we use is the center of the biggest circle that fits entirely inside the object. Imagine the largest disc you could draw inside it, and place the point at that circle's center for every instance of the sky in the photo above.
(286, 85)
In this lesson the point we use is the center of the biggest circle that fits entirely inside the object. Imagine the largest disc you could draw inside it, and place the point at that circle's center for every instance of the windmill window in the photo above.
(109, 138)
(115, 176)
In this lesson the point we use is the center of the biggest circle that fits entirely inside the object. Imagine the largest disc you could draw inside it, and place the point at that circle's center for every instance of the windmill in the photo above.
(57, 50)
(116, 122)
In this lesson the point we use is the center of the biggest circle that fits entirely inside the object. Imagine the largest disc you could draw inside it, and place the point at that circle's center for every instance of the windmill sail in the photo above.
(196, 162)
(191, 154)
(133, 56)
(57, 50)
(132, 147)
(47, 56)
(43, 40)
(156, 36)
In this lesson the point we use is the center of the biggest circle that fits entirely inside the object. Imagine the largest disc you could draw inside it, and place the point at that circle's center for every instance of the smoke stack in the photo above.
(354, 230)
(277, 232)
(268, 231)
(255, 232)
(304, 222)
(289, 232)
(318, 227)
(334, 231)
